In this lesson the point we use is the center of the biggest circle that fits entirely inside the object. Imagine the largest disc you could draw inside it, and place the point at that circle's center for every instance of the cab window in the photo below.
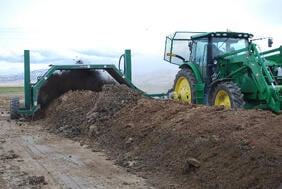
(199, 53)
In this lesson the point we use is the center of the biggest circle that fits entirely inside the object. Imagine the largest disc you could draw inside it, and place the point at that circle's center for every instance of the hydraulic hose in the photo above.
(119, 62)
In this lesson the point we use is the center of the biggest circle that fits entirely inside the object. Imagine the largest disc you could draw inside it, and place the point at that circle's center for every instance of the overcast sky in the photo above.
(58, 31)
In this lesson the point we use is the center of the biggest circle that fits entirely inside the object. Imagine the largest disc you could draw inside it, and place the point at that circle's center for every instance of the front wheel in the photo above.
(227, 94)
(14, 108)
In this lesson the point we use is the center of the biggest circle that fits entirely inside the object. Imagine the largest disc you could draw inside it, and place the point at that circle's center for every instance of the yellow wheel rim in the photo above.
(183, 90)
(222, 98)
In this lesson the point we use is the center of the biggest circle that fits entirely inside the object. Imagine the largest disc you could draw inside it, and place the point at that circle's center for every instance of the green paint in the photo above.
(127, 71)
(27, 88)
(255, 73)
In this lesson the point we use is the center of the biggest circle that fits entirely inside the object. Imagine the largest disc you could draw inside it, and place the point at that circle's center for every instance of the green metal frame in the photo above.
(27, 87)
(31, 90)
(127, 71)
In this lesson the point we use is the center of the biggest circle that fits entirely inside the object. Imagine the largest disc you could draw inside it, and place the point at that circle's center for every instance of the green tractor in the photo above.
(225, 68)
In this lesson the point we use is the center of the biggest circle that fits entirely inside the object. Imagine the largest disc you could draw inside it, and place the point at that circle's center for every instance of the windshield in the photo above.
(229, 44)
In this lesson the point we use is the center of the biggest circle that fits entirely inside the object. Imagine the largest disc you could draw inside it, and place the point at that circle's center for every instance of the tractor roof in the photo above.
(222, 34)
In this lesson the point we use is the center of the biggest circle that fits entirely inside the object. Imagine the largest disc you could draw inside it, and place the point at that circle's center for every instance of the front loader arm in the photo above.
(252, 71)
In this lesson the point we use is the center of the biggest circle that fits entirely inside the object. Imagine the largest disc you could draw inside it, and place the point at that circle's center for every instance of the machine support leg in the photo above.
(127, 70)
(27, 87)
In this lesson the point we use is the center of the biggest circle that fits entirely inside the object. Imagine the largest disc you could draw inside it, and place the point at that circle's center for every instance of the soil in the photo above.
(30, 157)
(172, 144)
(160, 144)
(62, 81)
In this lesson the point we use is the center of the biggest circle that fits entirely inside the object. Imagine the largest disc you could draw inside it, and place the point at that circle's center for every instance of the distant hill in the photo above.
(18, 79)
(152, 82)
(155, 82)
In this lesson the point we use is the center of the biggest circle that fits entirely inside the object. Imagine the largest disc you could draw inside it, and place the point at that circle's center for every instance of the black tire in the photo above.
(14, 108)
(231, 90)
(187, 74)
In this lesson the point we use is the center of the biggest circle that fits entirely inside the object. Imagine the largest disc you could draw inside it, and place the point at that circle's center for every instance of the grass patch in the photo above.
(9, 90)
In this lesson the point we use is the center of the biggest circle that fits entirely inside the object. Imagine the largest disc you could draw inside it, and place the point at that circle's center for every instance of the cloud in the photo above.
(98, 33)
(7, 68)
(267, 11)
(10, 55)
(12, 61)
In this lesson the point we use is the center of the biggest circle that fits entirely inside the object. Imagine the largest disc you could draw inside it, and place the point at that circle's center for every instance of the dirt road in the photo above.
(30, 157)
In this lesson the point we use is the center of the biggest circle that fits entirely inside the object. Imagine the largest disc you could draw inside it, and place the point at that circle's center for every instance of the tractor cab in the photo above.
(203, 48)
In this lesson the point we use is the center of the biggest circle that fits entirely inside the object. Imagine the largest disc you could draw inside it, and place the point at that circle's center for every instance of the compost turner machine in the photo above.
(62, 78)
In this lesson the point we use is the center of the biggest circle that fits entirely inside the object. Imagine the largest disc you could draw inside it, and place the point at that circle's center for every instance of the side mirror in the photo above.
(270, 42)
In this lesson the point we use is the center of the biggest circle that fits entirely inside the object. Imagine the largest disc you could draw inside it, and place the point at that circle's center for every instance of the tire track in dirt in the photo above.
(63, 163)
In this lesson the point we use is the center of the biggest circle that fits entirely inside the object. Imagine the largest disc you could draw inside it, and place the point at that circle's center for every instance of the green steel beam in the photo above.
(27, 88)
(127, 71)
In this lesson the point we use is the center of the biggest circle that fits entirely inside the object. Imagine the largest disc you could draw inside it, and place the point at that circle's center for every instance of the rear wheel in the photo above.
(14, 108)
(184, 85)
(227, 94)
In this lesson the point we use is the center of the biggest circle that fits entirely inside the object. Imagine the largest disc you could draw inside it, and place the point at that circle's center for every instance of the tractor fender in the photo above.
(214, 83)
(200, 85)
(195, 71)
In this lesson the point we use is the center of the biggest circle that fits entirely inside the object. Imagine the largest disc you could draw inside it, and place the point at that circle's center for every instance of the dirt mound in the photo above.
(73, 113)
(63, 81)
(176, 145)
(200, 147)
(66, 115)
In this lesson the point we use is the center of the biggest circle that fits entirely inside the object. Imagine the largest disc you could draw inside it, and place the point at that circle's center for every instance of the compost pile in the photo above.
(174, 145)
